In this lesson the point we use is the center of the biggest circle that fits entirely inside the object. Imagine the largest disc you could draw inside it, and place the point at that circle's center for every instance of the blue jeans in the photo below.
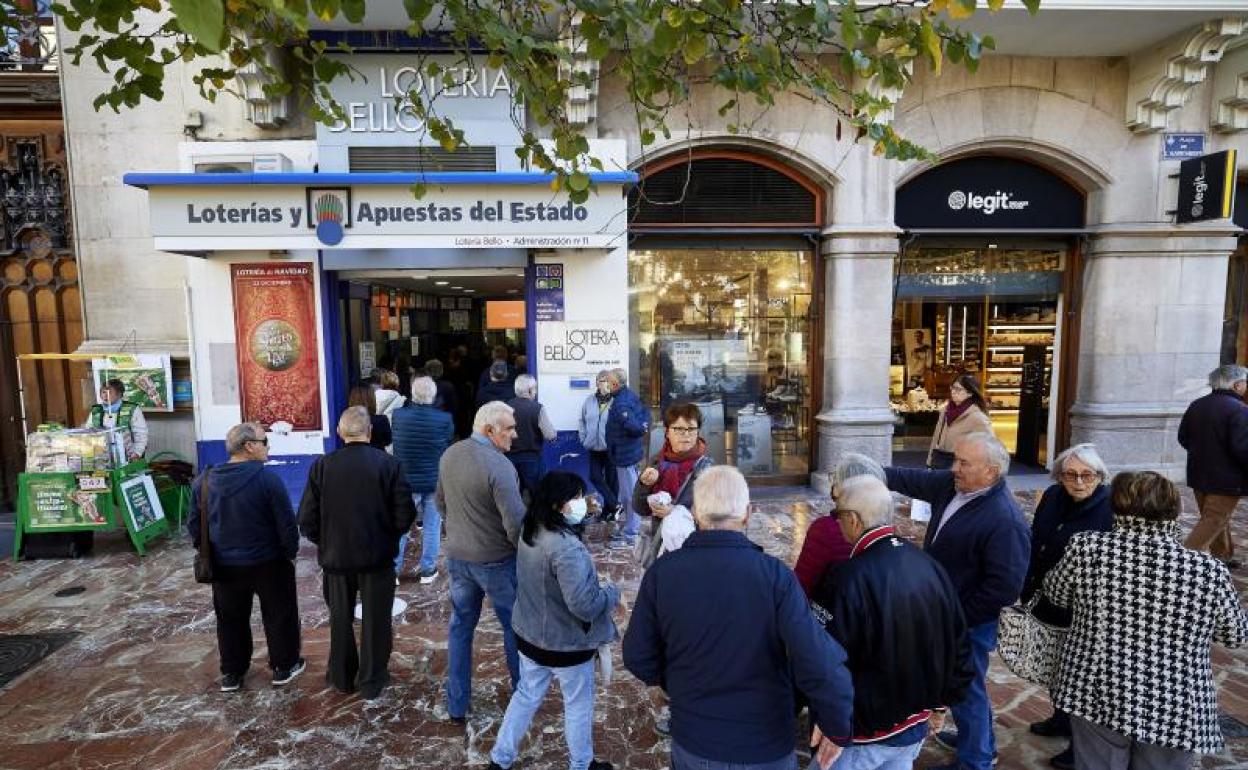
(873, 756)
(528, 467)
(976, 742)
(431, 534)
(577, 685)
(684, 760)
(470, 582)
(627, 476)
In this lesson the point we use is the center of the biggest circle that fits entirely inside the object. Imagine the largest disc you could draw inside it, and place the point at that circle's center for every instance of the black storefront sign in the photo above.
(1240, 215)
(1206, 187)
(989, 193)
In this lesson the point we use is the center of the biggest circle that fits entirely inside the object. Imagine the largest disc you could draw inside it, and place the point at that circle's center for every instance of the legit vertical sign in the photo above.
(1206, 187)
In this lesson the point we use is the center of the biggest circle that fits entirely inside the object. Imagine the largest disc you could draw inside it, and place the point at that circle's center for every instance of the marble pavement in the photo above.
(138, 686)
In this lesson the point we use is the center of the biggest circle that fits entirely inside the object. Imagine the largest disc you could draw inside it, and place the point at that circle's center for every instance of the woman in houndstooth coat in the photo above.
(1135, 671)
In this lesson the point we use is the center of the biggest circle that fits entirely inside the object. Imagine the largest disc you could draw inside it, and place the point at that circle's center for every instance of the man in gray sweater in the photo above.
(479, 495)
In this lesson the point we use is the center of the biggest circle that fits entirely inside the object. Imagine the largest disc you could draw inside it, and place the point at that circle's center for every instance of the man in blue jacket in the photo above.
(422, 432)
(253, 539)
(1214, 431)
(726, 631)
(978, 534)
(627, 423)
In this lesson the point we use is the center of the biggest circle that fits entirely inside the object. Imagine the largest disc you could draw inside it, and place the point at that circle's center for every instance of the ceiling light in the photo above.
(419, 277)
(470, 291)
(441, 283)
(457, 287)
(513, 291)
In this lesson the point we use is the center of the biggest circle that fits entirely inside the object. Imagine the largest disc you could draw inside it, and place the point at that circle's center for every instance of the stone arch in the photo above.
(1079, 171)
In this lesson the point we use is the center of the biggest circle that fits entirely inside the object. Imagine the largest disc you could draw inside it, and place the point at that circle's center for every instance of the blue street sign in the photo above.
(1182, 146)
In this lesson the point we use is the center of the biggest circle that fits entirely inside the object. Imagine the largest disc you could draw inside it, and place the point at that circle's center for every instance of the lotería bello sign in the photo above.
(281, 217)
(581, 347)
(1206, 187)
(377, 107)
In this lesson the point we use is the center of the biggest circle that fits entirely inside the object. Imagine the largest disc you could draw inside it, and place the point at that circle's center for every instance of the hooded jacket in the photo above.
(250, 519)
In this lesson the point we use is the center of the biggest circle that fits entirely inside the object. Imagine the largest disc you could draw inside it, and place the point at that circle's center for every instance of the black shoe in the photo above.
(598, 764)
(495, 766)
(231, 682)
(1053, 727)
(1065, 760)
(285, 675)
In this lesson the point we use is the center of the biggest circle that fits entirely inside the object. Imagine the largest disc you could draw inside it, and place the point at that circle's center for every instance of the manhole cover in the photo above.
(1232, 728)
(21, 652)
(71, 591)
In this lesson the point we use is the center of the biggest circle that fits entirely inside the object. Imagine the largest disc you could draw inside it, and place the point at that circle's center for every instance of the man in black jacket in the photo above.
(978, 534)
(356, 506)
(896, 613)
(1214, 431)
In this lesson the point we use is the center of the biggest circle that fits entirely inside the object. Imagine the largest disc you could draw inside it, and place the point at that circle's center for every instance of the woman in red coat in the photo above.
(825, 546)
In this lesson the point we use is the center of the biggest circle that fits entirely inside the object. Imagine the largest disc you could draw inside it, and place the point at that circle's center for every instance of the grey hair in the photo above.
(721, 498)
(424, 391)
(526, 386)
(998, 456)
(490, 413)
(605, 374)
(869, 498)
(852, 465)
(355, 422)
(434, 368)
(621, 376)
(1225, 377)
(1084, 453)
(238, 436)
(498, 371)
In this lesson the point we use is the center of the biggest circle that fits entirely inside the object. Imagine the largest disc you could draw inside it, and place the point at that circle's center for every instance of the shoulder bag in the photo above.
(1028, 646)
(203, 557)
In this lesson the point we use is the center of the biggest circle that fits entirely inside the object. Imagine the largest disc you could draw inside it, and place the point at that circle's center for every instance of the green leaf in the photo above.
(578, 181)
(325, 10)
(418, 10)
(996, 5)
(931, 44)
(353, 10)
(203, 20)
(849, 25)
(695, 49)
(1033, 6)
(961, 9)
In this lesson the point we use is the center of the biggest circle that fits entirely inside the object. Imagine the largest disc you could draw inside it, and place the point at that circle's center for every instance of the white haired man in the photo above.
(1214, 431)
(422, 432)
(979, 536)
(730, 637)
(479, 494)
(355, 507)
(533, 430)
(890, 602)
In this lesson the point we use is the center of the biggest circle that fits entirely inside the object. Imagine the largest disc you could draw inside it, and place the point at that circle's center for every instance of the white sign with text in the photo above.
(581, 347)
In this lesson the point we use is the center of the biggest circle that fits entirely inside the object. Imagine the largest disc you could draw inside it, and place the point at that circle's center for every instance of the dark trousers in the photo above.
(369, 667)
(603, 476)
(274, 583)
(529, 468)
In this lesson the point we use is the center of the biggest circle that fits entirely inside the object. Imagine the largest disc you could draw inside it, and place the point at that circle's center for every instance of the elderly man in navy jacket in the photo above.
(977, 533)
(1214, 431)
(725, 629)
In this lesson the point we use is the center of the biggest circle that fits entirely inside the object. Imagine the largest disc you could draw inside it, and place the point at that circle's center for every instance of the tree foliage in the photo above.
(848, 54)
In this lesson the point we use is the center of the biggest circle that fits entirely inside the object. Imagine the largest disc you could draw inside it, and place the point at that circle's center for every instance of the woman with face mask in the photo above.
(562, 617)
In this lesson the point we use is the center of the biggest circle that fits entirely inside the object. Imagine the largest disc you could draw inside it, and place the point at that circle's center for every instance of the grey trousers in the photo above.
(1099, 748)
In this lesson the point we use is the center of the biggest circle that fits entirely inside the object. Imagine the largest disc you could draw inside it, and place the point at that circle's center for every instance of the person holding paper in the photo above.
(125, 416)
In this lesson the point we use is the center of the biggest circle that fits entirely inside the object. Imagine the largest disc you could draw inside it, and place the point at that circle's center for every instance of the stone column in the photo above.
(1151, 333)
(857, 328)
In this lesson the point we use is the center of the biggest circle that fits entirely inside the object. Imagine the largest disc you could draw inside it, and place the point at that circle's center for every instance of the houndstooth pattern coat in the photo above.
(1146, 612)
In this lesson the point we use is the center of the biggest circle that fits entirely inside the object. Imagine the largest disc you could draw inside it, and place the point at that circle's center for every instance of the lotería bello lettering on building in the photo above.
(577, 342)
(393, 112)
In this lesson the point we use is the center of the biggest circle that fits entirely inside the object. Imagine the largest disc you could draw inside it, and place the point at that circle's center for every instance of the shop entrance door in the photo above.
(411, 322)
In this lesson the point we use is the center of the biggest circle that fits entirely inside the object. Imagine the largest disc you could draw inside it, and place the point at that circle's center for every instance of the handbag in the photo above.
(646, 550)
(203, 556)
(1028, 646)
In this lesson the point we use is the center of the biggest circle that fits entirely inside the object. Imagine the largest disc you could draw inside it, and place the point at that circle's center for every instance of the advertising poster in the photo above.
(460, 320)
(56, 500)
(148, 379)
(275, 325)
(548, 292)
(919, 355)
(143, 507)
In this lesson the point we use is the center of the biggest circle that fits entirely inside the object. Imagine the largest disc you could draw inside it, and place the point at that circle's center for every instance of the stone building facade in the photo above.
(1088, 93)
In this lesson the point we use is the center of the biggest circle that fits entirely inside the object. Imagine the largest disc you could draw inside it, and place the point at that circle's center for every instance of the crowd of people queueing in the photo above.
(878, 638)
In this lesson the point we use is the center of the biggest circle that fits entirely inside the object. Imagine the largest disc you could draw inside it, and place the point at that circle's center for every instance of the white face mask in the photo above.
(574, 512)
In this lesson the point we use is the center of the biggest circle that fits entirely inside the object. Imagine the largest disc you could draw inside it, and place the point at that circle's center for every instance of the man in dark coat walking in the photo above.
(355, 507)
(1214, 431)
(977, 533)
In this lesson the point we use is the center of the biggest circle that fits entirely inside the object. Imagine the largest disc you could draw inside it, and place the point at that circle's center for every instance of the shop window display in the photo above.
(729, 330)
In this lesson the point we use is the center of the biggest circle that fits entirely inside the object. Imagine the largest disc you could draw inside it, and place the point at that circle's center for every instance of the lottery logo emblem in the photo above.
(329, 213)
(957, 200)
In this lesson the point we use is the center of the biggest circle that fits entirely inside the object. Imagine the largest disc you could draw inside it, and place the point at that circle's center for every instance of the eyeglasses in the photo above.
(264, 440)
(683, 431)
(1082, 478)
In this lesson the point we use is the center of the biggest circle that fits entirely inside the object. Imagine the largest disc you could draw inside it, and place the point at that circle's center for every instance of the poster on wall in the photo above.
(459, 320)
(702, 369)
(275, 326)
(548, 292)
(581, 347)
(919, 355)
(368, 358)
(148, 379)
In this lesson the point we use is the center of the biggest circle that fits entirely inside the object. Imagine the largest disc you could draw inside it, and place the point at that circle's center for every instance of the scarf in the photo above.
(674, 467)
(954, 411)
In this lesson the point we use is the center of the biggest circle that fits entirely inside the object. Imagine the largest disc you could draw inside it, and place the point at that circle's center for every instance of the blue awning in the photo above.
(166, 179)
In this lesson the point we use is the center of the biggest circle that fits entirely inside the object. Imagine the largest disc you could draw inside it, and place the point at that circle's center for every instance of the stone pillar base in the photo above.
(1132, 437)
(865, 431)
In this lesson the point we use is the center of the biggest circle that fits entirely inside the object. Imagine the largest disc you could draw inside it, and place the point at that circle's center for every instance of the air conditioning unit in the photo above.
(262, 163)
